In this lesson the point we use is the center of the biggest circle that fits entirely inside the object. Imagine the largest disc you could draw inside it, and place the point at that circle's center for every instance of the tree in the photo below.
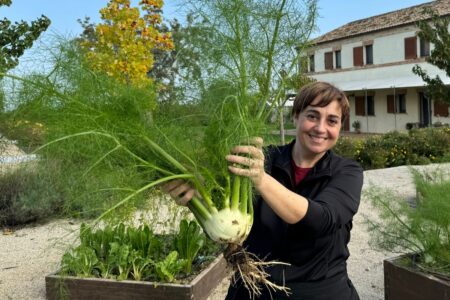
(16, 38)
(437, 33)
(180, 71)
(123, 43)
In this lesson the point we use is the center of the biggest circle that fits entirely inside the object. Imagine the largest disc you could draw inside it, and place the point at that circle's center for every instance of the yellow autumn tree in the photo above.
(124, 41)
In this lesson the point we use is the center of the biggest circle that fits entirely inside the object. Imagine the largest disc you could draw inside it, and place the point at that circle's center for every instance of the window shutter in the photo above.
(440, 109)
(390, 104)
(360, 109)
(358, 56)
(328, 60)
(411, 47)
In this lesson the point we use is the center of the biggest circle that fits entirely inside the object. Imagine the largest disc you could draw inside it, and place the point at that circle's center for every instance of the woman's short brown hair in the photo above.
(327, 93)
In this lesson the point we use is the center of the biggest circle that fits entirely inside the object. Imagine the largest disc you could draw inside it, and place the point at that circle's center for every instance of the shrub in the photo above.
(346, 147)
(432, 143)
(28, 195)
(372, 155)
(417, 147)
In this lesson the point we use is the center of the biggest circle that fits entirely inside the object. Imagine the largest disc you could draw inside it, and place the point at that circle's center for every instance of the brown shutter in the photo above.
(360, 108)
(358, 56)
(440, 109)
(390, 104)
(328, 60)
(411, 47)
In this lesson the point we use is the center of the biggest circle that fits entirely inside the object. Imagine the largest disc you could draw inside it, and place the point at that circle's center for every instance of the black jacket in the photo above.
(316, 247)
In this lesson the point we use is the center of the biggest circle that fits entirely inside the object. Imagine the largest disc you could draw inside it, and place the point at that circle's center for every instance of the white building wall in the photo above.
(394, 72)
(383, 121)
(386, 47)
(319, 59)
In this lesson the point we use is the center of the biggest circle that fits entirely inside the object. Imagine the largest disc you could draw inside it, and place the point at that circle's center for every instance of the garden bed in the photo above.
(406, 282)
(199, 287)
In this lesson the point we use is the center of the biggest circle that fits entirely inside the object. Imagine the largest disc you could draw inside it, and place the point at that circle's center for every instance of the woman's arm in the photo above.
(332, 207)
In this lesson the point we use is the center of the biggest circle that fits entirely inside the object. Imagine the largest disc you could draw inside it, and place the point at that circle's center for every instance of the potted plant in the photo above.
(356, 125)
(123, 262)
(420, 232)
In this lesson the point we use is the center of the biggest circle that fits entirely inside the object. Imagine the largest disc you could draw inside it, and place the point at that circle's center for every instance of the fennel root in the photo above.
(251, 270)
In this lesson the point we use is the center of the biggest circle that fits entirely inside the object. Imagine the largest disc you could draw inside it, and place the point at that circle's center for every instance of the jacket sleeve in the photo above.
(337, 203)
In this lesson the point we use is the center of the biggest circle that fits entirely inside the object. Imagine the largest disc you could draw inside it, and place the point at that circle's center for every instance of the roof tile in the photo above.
(384, 21)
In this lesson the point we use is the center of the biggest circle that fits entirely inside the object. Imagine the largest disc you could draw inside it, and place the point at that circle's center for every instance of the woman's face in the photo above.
(317, 128)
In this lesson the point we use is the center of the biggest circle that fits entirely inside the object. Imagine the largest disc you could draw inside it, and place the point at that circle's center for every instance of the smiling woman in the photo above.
(308, 197)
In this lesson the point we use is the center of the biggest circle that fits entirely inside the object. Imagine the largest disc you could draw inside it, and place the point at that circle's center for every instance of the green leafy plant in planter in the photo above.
(125, 252)
(421, 229)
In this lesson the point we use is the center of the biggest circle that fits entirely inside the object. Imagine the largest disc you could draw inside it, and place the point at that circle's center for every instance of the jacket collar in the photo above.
(284, 158)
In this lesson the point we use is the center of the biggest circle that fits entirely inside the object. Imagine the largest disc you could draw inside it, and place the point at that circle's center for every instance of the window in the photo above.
(311, 63)
(358, 56)
(328, 60)
(360, 109)
(369, 54)
(337, 56)
(411, 48)
(400, 103)
(440, 109)
(370, 106)
(360, 106)
(397, 106)
(424, 48)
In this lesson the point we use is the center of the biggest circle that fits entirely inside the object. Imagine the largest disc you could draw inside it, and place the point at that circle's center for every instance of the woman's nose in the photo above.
(320, 126)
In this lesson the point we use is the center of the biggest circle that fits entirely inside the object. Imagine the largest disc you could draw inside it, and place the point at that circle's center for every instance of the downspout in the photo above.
(395, 110)
(366, 110)
(430, 113)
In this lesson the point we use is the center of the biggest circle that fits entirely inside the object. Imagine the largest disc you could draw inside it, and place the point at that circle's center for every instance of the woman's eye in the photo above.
(311, 117)
(333, 122)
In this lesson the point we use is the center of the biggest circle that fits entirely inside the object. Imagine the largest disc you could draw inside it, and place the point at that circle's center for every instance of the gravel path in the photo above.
(28, 254)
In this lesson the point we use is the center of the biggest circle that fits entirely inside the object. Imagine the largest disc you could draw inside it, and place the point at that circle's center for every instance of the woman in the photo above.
(308, 197)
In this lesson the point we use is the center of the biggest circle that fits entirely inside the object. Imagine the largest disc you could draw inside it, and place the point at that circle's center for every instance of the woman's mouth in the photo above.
(316, 138)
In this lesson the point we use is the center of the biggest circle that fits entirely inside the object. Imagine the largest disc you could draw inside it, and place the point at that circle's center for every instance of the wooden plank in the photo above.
(211, 276)
(402, 283)
(75, 288)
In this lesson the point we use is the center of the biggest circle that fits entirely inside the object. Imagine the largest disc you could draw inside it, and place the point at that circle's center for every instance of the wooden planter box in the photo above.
(404, 283)
(73, 288)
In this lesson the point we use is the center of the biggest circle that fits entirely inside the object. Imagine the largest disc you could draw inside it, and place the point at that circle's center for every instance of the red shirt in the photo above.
(299, 172)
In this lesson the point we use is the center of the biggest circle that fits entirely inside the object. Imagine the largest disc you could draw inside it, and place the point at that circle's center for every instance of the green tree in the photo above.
(179, 71)
(437, 33)
(16, 38)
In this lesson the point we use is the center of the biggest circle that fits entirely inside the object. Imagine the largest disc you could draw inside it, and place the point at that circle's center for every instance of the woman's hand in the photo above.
(180, 190)
(248, 161)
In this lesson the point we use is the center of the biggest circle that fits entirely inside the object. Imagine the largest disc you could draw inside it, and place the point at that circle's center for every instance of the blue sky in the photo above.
(64, 13)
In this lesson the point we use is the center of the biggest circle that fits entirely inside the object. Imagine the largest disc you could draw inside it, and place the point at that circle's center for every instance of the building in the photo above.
(372, 60)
